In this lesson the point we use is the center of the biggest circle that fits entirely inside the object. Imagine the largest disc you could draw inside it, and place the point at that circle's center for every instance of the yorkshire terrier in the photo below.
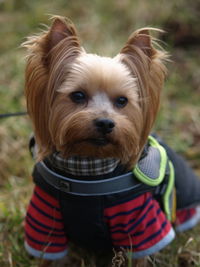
(103, 183)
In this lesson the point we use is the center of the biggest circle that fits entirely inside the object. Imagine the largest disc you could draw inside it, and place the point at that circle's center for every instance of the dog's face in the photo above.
(96, 111)
(87, 105)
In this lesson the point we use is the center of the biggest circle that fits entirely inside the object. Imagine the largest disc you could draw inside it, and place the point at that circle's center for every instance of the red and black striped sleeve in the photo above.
(44, 229)
(139, 225)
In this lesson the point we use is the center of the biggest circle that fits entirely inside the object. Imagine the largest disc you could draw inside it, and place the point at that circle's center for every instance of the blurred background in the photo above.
(103, 26)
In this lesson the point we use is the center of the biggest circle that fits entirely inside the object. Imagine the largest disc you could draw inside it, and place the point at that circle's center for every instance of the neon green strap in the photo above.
(168, 197)
(162, 168)
(167, 201)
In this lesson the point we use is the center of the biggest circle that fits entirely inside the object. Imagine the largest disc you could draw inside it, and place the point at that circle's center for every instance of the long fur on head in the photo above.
(147, 64)
(57, 65)
(47, 53)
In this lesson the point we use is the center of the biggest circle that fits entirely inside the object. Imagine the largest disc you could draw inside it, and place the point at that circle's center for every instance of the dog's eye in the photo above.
(121, 102)
(78, 97)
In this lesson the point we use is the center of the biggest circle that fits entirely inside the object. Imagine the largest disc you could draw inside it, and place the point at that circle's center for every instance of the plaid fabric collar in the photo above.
(84, 166)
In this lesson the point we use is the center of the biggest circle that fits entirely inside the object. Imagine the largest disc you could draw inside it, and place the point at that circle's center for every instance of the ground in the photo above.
(104, 27)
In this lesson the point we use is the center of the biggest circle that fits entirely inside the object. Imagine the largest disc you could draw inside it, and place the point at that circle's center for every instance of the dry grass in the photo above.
(104, 26)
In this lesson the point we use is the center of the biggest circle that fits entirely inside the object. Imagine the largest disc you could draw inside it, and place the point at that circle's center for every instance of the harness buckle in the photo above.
(64, 186)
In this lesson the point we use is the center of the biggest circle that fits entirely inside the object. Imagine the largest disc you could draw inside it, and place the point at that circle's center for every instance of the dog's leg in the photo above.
(54, 263)
(45, 263)
(140, 262)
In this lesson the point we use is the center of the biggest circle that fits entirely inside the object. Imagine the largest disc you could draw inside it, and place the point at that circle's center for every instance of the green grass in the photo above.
(104, 27)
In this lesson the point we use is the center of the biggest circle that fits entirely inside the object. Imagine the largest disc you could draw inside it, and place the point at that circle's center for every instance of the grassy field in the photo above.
(104, 27)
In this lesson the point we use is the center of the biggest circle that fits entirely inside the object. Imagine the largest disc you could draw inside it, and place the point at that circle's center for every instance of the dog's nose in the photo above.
(104, 125)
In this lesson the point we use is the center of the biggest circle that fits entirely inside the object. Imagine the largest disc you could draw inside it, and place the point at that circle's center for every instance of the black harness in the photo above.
(83, 202)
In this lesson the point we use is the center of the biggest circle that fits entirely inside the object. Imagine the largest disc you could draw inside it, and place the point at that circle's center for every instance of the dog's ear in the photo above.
(61, 29)
(142, 40)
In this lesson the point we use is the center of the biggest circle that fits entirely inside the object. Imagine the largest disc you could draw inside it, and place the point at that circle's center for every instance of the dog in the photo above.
(104, 183)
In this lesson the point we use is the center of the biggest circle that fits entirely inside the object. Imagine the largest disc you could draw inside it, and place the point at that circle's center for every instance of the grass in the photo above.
(104, 26)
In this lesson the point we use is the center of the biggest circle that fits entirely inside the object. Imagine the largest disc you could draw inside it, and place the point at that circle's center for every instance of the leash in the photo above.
(7, 115)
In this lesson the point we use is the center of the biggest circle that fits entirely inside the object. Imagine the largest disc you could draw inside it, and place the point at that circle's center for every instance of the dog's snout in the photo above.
(104, 125)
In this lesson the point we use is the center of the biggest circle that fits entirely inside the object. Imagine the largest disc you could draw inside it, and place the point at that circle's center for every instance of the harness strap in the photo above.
(108, 186)
(152, 169)
(153, 173)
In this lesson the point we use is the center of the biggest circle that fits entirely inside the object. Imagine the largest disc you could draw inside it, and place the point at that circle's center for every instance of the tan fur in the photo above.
(147, 64)
(44, 72)
(58, 65)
